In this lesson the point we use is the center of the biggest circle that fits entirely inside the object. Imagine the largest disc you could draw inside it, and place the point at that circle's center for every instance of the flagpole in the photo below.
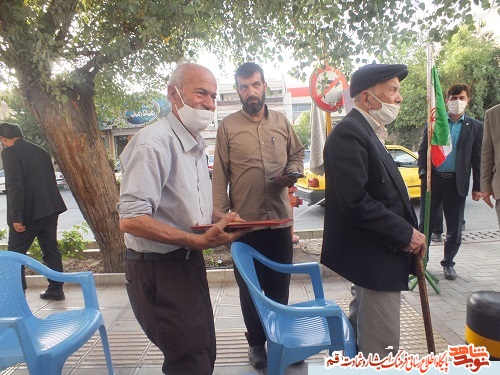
(426, 216)
(419, 262)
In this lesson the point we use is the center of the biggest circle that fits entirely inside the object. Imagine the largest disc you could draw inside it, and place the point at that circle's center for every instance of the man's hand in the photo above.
(417, 244)
(476, 195)
(217, 235)
(19, 227)
(288, 178)
(487, 198)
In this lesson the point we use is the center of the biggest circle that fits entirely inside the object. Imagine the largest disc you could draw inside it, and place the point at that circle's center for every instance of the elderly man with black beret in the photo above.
(370, 226)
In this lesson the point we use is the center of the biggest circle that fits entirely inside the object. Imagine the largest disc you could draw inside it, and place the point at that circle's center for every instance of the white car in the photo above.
(2, 181)
(60, 180)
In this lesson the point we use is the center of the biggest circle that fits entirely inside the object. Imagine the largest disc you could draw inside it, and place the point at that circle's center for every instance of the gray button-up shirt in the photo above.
(165, 176)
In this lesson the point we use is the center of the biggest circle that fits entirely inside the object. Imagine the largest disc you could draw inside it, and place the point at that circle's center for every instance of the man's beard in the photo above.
(255, 106)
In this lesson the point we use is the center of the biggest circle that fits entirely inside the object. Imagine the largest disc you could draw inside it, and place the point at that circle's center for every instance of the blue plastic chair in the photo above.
(295, 332)
(44, 344)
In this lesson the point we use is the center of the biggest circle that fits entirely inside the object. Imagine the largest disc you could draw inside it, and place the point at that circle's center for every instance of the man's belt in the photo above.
(444, 174)
(181, 253)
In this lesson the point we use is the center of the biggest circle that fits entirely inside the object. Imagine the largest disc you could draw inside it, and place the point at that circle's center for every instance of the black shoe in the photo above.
(55, 295)
(449, 273)
(257, 356)
(436, 237)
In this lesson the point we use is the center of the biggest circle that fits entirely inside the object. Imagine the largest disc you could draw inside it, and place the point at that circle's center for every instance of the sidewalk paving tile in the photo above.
(133, 354)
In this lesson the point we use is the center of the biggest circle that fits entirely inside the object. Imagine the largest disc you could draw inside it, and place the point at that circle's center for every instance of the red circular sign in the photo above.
(327, 87)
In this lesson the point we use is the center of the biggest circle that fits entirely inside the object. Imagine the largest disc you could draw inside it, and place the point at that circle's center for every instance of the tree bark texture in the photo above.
(72, 133)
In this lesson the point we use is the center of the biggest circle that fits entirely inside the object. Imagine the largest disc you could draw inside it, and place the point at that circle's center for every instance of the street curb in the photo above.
(213, 275)
(103, 279)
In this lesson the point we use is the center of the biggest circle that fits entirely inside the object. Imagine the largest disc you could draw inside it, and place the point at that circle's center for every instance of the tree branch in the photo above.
(58, 17)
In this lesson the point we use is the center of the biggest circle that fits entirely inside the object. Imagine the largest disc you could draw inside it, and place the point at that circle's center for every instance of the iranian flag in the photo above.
(441, 139)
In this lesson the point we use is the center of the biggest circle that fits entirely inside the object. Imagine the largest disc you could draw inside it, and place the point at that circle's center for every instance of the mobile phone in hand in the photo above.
(294, 174)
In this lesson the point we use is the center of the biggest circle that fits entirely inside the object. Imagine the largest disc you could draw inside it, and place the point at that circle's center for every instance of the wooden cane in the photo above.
(424, 301)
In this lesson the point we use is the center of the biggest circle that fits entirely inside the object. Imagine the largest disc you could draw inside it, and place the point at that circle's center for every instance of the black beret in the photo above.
(369, 75)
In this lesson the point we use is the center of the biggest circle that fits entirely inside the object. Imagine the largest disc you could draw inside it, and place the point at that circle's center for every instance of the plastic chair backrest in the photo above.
(11, 289)
(246, 264)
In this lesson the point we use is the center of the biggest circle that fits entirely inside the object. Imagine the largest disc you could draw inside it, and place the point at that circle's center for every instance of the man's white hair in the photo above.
(177, 74)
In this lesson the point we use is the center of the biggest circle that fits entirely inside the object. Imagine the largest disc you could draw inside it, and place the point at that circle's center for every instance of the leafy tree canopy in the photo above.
(303, 128)
(470, 56)
(135, 41)
(23, 117)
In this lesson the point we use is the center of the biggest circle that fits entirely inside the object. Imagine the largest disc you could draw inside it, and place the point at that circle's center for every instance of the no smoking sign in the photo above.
(327, 87)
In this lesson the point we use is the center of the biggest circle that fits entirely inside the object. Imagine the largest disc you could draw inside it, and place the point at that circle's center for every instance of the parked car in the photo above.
(60, 180)
(118, 171)
(312, 187)
(210, 165)
(2, 181)
(307, 159)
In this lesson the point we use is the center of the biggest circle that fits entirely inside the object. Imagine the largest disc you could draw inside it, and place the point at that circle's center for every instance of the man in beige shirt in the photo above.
(490, 158)
(255, 152)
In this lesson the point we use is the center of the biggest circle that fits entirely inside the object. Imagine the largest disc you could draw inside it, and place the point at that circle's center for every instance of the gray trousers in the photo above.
(375, 317)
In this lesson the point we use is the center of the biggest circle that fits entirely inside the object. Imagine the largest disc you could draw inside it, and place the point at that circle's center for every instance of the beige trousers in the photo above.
(375, 317)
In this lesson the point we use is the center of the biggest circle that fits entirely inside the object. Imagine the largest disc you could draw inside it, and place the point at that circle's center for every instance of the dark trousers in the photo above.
(444, 191)
(45, 230)
(438, 225)
(275, 244)
(171, 301)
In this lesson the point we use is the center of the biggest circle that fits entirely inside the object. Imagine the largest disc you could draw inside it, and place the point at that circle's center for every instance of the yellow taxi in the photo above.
(312, 187)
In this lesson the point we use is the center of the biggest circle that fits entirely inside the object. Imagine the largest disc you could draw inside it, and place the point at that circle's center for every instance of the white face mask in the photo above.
(456, 107)
(195, 120)
(386, 114)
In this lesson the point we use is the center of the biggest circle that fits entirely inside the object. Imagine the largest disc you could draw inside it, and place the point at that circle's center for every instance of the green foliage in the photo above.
(303, 128)
(23, 117)
(473, 58)
(72, 245)
(3, 233)
(62, 44)
(210, 260)
(470, 57)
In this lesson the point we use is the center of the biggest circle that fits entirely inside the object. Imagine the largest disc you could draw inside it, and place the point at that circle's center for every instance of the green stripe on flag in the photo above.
(441, 135)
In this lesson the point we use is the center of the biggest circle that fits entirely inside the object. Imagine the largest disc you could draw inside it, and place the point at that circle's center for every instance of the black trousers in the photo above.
(275, 244)
(171, 301)
(444, 191)
(45, 230)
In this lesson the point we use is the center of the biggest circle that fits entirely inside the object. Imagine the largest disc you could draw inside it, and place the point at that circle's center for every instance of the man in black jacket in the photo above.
(370, 225)
(450, 181)
(33, 201)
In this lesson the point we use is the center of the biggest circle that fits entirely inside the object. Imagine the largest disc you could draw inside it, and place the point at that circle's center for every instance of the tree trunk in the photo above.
(72, 133)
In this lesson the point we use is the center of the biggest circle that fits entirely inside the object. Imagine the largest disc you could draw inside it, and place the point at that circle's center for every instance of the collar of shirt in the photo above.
(248, 117)
(187, 141)
(455, 122)
(380, 131)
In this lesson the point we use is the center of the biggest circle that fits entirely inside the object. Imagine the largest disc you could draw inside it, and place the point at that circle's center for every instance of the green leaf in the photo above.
(189, 9)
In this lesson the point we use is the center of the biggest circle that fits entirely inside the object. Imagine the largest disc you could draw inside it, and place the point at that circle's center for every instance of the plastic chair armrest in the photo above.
(19, 327)
(311, 268)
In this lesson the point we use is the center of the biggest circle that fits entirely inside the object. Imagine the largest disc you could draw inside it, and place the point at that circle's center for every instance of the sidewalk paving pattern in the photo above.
(478, 266)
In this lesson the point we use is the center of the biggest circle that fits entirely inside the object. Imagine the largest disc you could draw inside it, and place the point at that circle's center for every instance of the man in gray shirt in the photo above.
(165, 190)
